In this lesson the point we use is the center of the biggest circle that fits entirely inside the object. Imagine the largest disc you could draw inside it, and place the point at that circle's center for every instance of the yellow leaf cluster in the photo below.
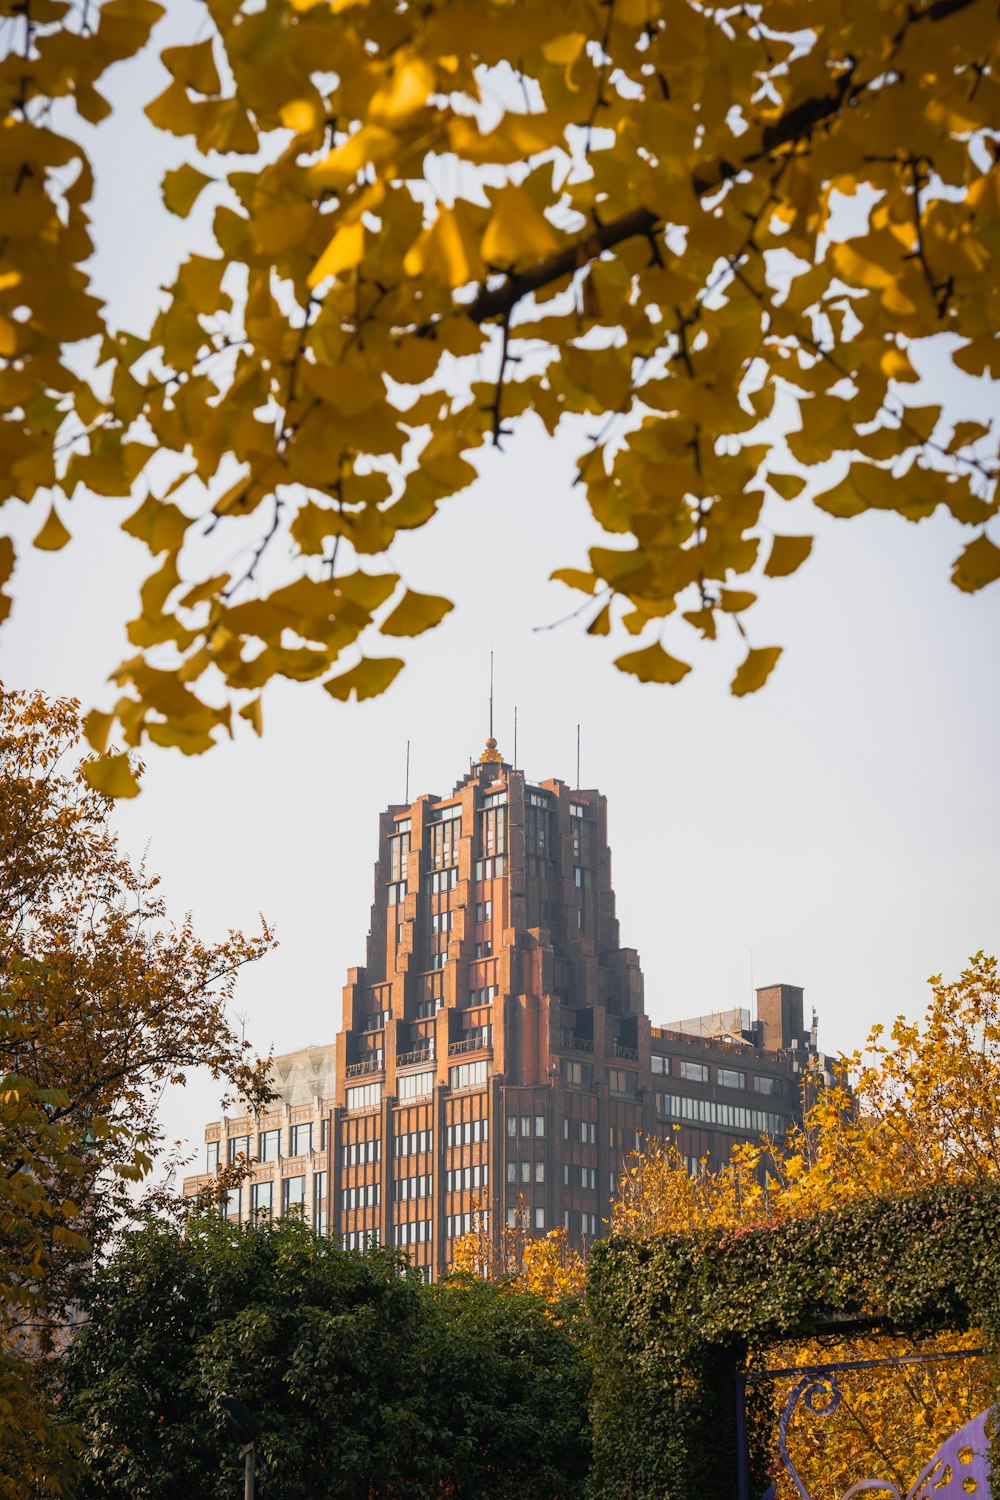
(685, 212)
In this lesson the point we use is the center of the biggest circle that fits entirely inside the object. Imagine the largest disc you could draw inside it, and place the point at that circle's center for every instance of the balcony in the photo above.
(369, 1065)
(418, 1055)
(574, 1043)
(630, 1054)
(476, 1041)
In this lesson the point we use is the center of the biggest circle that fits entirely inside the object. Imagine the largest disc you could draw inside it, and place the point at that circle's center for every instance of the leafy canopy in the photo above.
(103, 1002)
(662, 222)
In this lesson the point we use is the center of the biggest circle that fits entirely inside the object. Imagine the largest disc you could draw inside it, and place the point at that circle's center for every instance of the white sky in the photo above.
(841, 826)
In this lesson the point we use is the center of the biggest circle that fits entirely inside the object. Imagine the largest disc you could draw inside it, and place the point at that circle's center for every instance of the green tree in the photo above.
(674, 220)
(365, 1381)
(102, 1003)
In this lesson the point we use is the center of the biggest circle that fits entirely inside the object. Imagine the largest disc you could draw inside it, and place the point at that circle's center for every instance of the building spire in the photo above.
(491, 753)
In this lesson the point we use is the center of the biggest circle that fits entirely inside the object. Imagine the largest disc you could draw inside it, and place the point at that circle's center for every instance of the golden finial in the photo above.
(491, 752)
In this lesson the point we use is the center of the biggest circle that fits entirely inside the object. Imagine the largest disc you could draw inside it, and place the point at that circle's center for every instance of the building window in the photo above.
(693, 1071)
(732, 1078)
(484, 950)
(319, 1203)
(512, 1124)
(438, 960)
(261, 1200)
(588, 1132)
(512, 1171)
(621, 1081)
(491, 869)
(415, 1085)
(539, 1218)
(539, 1125)
(211, 1156)
(469, 1075)
(396, 893)
(324, 1133)
(301, 1139)
(659, 1064)
(293, 1195)
(484, 911)
(399, 857)
(526, 1171)
(269, 1145)
(231, 1205)
(365, 1096)
(237, 1145)
(441, 880)
(525, 1125)
(577, 1074)
(763, 1085)
(539, 1171)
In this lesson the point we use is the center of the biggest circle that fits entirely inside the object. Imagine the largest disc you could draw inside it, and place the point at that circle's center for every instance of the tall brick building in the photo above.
(495, 1047)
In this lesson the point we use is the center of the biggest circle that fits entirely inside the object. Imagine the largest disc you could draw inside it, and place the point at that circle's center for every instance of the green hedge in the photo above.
(676, 1317)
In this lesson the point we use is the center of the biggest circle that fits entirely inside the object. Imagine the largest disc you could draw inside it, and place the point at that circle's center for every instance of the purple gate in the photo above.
(960, 1466)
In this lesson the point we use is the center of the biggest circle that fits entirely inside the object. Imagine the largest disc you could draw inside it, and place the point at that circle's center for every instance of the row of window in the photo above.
(588, 1132)
(413, 1143)
(365, 1195)
(415, 1085)
(727, 1078)
(708, 1112)
(355, 1153)
(440, 880)
(469, 1075)
(360, 1239)
(484, 994)
(467, 1132)
(525, 1171)
(491, 869)
(364, 1096)
(464, 1179)
(588, 1177)
(538, 1218)
(522, 1125)
(418, 1233)
(405, 1188)
(300, 1143)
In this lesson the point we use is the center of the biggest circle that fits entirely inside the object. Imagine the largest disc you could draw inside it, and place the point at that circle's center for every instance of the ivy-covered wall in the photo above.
(677, 1316)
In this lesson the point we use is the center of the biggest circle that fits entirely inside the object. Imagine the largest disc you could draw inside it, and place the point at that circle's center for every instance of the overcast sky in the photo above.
(838, 830)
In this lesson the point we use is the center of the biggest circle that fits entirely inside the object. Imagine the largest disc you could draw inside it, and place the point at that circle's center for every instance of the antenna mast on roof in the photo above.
(578, 757)
(515, 735)
(491, 695)
(407, 796)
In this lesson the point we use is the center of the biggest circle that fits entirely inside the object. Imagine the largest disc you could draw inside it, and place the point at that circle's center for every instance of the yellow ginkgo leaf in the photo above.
(653, 664)
(181, 188)
(112, 775)
(754, 670)
(194, 66)
(343, 253)
(977, 565)
(97, 726)
(371, 676)
(787, 554)
(53, 534)
(447, 250)
(252, 713)
(575, 578)
(518, 231)
(416, 613)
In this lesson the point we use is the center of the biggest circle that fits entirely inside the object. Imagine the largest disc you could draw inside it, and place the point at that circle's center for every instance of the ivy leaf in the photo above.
(653, 664)
(416, 613)
(754, 671)
(371, 676)
(787, 554)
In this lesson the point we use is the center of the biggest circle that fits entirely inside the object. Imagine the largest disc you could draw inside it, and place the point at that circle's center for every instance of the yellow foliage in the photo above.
(652, 192)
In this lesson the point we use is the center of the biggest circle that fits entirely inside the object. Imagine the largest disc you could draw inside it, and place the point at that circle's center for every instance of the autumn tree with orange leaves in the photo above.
(923, 1111)
(682, 231)
(103, 1003)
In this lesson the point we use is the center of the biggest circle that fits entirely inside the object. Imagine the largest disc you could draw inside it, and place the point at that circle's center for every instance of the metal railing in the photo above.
(575, 1043)
(418, 1055)
(369, 1065)
(474, 1042)
(631, 1054)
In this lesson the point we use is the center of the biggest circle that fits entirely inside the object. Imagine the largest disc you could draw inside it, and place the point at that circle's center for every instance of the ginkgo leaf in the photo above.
(447, 250)
(653, 664)
(193, 65)
(754, 670)
(371, 676)
(786, 485)
(253, 714)
(53, 534)
(416, 613)
(601, 623)
(97, 727)
(575, 578)
(112, 775)
(343, 253)
(787, 553)
(181, 188)
(517, 231)
(976, 565)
